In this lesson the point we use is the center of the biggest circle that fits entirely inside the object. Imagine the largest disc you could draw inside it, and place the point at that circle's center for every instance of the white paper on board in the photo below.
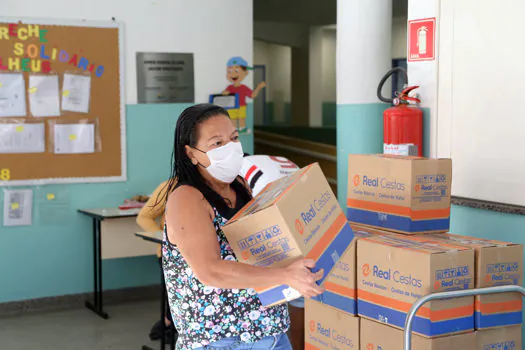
(22, 138)
(12, 95)
(76, 91)
(74, 138)
(18, 207)
(44, 100)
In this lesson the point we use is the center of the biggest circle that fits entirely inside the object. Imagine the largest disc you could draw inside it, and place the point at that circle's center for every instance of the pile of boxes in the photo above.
(393, 252)
(399, 209)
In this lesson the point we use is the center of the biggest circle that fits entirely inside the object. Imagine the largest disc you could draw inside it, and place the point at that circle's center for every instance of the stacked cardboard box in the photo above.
(407, 200)
(395, 271)
(327, 328)
(331, 317)
(377, 336)
(497, 263)
(408, 195)
(340, 285)
(498, 317)
(504, 338)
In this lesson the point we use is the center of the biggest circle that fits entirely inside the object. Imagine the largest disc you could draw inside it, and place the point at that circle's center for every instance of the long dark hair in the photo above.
(183, 171)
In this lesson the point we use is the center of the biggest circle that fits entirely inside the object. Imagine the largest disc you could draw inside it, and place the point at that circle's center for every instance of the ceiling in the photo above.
(308, 12)
(305, 12)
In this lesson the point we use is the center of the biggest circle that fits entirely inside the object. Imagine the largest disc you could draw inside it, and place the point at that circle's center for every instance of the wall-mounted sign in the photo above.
(422, 40)
(165, 77)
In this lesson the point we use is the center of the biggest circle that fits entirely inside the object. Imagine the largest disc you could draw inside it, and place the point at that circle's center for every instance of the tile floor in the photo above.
(127, 328)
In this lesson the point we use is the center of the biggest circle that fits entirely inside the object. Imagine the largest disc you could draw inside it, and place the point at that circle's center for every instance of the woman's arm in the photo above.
(190, 227)
(153, 210)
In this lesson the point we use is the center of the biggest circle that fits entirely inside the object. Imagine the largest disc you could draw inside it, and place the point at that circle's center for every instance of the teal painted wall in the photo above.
(329, 111)
(325, 135)
(54, 255)
(359, 130)
(329, 114)
(287, 111)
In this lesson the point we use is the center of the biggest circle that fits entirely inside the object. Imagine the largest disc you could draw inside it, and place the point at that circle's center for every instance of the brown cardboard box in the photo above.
(296, 216)
(377, 336)
(497, 263)
(328, 328)
(403, 194)
(394, 271)
(340, 285)
(504, 338)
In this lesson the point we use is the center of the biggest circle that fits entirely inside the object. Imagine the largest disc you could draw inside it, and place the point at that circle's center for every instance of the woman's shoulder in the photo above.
(183, 192)
(186, 200)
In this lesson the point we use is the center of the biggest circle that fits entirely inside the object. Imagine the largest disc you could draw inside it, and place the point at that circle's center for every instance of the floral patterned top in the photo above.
(204, 315)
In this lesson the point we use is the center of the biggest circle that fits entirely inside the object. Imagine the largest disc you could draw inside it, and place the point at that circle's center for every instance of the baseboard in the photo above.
(74, 301)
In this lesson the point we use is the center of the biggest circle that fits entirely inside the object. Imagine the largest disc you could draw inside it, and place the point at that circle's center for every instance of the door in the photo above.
(259, 104)
(397, 84)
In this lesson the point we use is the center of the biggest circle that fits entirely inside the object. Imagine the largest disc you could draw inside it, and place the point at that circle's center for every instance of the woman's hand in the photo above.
(300, 277)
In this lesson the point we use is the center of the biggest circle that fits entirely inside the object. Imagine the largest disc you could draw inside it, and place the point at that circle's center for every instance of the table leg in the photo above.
(173, 332)
(173, 336)
(97, 305)
(163, 310)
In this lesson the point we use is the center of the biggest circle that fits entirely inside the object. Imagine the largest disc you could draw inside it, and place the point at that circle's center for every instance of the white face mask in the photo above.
(226, 162)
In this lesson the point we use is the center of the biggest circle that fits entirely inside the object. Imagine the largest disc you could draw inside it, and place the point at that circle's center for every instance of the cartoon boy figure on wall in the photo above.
(237, 71)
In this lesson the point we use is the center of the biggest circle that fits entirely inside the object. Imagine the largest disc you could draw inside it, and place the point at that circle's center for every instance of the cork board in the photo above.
(68, 47)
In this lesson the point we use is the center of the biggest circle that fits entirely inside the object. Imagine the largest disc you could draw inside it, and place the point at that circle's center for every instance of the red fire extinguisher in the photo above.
(402, 123)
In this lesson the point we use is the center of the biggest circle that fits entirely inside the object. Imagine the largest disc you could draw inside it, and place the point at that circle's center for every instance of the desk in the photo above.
(112, 239)
(156, 237)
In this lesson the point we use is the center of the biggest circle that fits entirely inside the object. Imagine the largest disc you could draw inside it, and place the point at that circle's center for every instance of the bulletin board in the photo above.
(86, 49)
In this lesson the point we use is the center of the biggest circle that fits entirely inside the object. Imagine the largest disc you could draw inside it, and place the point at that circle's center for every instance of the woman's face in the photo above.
(213, 133)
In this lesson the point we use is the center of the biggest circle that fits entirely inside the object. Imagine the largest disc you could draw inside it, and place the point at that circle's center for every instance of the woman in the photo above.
(258, 171)
(211, 295)
(151, 219)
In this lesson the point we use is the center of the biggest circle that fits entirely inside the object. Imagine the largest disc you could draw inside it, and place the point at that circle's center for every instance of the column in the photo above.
(425, 74)
(364, 31)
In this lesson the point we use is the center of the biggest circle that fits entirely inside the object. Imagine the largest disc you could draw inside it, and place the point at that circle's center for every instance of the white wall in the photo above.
(278, 62)
(203, 27)
(316, 83)
(480, 121)
(282, 33)
(328, 64)
(322, 71)
(424, 73)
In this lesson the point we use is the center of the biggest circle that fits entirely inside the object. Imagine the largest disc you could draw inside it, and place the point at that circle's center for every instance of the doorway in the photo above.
(260, 116)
